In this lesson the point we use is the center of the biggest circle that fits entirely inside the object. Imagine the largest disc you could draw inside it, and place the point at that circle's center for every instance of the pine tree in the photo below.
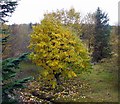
(7, 8)
(9, 84)
(9, 65)
(101, 36)
(4, 36)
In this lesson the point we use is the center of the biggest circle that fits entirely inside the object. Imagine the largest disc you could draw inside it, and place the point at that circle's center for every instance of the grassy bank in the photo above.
(101, 85)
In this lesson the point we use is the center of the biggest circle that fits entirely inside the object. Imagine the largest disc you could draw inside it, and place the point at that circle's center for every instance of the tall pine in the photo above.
(101, 36)
(10, 66)
(7, 7)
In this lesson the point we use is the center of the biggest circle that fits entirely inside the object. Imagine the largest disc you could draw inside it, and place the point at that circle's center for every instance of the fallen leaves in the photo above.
(70, 90)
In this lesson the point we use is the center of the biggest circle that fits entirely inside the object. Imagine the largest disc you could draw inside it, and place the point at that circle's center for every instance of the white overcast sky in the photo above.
(32, 10)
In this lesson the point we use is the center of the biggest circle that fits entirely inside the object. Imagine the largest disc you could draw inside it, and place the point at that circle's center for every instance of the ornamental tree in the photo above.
(57, 51)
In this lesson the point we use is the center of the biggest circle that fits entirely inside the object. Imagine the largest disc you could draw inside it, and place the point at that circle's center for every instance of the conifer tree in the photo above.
(9, 65)
(7, 8)
(101, 36)
(9, 84)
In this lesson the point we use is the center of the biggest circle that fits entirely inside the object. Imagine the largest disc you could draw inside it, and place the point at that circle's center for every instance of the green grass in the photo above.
(103, 81)
(101, 85)
(28, 69)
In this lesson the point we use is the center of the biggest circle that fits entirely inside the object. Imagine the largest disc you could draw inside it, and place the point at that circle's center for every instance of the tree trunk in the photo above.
(57, 76)
(89, 43)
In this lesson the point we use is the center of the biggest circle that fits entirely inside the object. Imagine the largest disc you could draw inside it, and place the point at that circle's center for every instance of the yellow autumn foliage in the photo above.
(57, 50)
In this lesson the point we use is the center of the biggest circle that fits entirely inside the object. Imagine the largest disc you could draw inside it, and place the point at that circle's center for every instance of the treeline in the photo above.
(20, 38)
(94, 30)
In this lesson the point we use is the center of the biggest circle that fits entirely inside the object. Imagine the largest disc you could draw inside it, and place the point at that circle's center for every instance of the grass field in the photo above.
(101, 85)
